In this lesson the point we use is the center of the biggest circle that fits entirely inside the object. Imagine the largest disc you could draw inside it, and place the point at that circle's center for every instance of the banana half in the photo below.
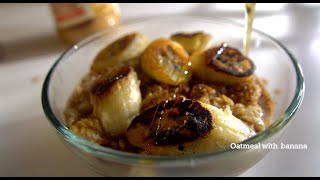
(124, 50)
(166, 61)
(185, 126)
(117, 100)
(222, 64)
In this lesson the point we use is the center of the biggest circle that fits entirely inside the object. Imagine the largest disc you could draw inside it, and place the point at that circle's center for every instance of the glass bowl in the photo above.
(273, 61)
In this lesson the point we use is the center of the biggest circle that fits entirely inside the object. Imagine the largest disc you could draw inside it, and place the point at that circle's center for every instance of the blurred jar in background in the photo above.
(75, 21)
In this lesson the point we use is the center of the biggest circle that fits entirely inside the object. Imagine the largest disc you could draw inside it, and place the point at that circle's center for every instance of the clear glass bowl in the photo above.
(273, 62)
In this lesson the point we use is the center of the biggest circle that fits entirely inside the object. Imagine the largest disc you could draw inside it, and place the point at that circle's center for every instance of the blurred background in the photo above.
(30, 44)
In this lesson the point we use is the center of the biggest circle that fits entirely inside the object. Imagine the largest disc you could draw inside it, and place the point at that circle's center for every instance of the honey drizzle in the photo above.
(249, 15)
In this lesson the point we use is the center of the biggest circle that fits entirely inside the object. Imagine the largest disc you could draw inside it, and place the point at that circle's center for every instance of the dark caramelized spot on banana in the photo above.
(229, 60)
(119, 45)
(103, 86)
(175, 122)
(186, 35)
(180, 147)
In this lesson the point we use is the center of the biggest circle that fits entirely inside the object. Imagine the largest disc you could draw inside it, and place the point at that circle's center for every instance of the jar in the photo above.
(75, 21)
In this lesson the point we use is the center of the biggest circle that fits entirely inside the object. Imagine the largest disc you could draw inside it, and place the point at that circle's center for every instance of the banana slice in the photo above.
(185, 126)
(116, 100)
(192, 42)
(222, 64)
(166, 61)
(124, 50)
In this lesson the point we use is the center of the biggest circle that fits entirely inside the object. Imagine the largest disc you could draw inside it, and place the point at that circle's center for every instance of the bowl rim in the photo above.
(133, 158)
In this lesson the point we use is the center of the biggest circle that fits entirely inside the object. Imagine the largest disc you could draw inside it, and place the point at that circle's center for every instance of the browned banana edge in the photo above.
(214, 57)
(104, 86)
(174, 122)
(186, 35)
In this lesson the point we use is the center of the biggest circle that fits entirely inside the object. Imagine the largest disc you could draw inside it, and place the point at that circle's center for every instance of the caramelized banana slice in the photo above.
(124, 50)
(222, 64)
(185, 126)
(192, 42)
(166, 61)
(117, 100)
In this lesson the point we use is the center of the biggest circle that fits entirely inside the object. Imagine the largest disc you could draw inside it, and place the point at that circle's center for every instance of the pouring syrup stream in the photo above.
(249, 15)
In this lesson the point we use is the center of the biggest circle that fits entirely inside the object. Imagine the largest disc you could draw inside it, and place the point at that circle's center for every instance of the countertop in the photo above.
(29, 46)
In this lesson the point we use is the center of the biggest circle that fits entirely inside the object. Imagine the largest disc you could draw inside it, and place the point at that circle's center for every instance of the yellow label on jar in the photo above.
(71, 14)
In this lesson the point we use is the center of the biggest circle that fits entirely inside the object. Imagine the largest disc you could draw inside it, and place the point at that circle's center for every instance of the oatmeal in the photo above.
(156, 97)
